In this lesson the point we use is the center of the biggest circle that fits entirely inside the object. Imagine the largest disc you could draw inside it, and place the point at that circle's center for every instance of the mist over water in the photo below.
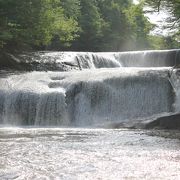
(59, 112)
(68, 61)
(99, 89)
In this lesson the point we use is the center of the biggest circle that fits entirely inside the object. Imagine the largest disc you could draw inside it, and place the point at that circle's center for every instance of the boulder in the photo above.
(166, 122)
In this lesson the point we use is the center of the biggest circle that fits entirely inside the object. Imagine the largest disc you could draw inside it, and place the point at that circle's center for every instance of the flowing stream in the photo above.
(70, 154)
(57, 120)
(93, 89)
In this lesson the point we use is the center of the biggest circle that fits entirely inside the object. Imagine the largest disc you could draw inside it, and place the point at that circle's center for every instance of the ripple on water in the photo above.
(86, 154)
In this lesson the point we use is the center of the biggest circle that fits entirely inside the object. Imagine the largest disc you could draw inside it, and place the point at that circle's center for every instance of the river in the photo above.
(53, 153)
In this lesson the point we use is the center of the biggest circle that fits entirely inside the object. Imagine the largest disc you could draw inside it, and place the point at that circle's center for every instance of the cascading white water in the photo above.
(66, 61)
(118, 93)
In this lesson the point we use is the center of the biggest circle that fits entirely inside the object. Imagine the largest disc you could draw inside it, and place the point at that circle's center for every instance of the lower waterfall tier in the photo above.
(85, 98)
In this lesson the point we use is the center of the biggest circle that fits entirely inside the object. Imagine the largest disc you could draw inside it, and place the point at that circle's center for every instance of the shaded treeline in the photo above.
(82, 25)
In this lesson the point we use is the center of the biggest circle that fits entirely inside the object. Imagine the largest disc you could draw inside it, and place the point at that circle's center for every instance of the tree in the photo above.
(84, 25)
(34, 23)
(92, 25)
(72, 8)
(173, 7)
(116, 31)
(139, 28)
(127, 26)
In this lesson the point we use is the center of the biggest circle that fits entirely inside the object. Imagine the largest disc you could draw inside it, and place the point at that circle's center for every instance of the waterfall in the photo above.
(98, 89)
(67, 61)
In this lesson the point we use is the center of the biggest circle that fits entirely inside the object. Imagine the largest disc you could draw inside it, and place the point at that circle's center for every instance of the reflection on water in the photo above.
(86, 154)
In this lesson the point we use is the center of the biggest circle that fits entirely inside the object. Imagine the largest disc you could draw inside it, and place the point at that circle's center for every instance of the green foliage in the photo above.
(72, 8)
(139, 27)
(85, 25)
(173, 7)
(161, 42)
(112, 26)
(92, 25)
(34, 22)
(157, 42)
(117, 32)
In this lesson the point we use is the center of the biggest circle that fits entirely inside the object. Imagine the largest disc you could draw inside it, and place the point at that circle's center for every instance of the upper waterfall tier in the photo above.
(66, 61)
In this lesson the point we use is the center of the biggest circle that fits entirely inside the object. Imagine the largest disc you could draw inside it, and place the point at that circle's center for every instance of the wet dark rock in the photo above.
(25, 62)
(8, 61)
(166, 122)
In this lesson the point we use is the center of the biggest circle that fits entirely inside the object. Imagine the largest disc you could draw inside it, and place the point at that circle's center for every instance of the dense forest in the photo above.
(84, 25)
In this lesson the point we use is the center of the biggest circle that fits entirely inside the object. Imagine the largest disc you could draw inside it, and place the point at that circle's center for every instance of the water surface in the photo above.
(53, 153)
